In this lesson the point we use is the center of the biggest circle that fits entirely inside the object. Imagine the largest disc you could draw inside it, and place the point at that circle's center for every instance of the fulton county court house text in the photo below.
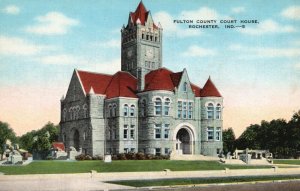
(215, 24)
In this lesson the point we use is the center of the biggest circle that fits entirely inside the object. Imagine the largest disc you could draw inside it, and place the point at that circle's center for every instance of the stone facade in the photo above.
(156, 112)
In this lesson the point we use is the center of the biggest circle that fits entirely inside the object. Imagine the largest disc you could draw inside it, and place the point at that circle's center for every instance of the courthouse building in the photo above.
(145, 107)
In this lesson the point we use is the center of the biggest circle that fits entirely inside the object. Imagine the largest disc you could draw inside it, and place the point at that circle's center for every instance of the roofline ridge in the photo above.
(126, 73)
(93, 72)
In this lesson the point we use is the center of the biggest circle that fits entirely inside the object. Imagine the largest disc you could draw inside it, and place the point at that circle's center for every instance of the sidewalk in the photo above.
(95, 181)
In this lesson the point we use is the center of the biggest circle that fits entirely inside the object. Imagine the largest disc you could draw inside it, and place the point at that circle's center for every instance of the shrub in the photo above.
(130, 156)
(97, 157)
(80, 157)
(140, 156)
(121, 156)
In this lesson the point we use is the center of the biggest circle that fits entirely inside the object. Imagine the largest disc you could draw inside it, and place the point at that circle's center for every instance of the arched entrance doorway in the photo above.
(76, 140)
(183, 141)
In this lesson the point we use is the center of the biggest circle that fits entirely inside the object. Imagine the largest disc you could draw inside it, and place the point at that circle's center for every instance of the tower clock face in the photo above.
(149, 53)
(129, 53)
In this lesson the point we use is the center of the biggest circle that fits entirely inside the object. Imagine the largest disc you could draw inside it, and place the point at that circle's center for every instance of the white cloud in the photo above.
(292, 12)
(238, 9)
(297, 66)
(267, 27)
(11, 9)
(267, 52)
(102, 66)
(53, 23)
(172, 29)
(113, 43)
(60, 59)
(196, 51)
(19, 46)
(203, 13)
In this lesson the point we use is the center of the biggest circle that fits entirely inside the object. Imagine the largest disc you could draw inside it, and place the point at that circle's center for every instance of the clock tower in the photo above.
(141, 49)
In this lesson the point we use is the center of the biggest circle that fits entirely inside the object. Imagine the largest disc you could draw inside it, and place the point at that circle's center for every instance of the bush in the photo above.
(121, 156)
(97, 157)
(80, 157)
(140, 156)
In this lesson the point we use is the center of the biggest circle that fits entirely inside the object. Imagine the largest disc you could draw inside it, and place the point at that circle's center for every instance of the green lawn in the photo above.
(294, 162)
(191, 181)
(58, 167)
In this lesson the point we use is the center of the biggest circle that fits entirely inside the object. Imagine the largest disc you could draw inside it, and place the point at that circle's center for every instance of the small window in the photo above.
(185, 87)
(109, 111)
(210, 133)
(167, 106)
(166, 134)
(131, 133)
(210, 111)
(143, 108)
(126, 150)
(218, 111)
(157, 131)
(147, 37)
(84, 136)
(184, 110)
(125, 134)
(143, 36)
(218, 134)
(125, 110)
(114, 111)
(179, 105)
(158, 106)
(167, 151)
(157, 151)
(132, 108)
(190, 110)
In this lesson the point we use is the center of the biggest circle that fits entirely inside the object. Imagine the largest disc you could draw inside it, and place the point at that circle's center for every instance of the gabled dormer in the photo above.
(75, 89)
(184, 83)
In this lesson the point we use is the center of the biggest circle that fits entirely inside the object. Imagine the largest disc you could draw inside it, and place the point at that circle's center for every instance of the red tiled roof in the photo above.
(159, 79)
(196, 90)
(58, 145)
(99, 82)
(210, 90)
(121, 84)
(141, 14)
(164, 79)
(176, 77)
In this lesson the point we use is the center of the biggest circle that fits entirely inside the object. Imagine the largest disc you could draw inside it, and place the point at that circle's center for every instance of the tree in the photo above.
(278, 136)
(228, 140)
(6, 133)
(249, 138)
(41, 139)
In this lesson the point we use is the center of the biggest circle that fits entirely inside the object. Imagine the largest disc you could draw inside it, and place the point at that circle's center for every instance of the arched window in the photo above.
(218, 111)
(77, 109)
(71, 113)
(210, 111)
(64, 116)
(184, 87)
(158, 106)
(109, 111)
(143, 108)
(85, 112)
(125, 110)
(114, 110)
(132, 108)
(167, 106)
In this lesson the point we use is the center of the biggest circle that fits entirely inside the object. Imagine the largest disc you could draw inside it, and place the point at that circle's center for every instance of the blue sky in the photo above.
(257, 69)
